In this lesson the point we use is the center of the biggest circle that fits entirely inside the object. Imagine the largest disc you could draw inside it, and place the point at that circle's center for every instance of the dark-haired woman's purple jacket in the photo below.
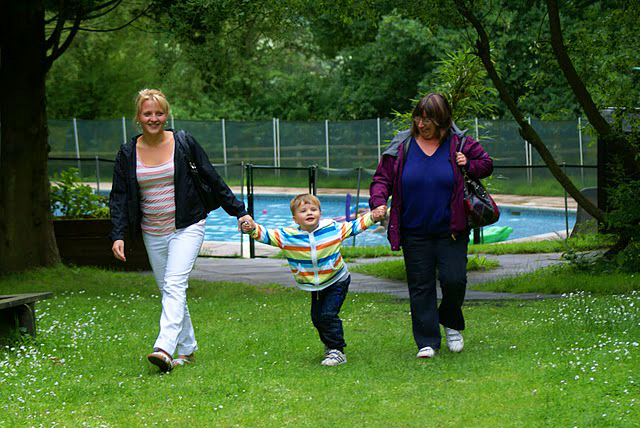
(387, 180)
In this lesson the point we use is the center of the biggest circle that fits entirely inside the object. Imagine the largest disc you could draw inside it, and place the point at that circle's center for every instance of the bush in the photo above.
(624, 219)
(76, 200)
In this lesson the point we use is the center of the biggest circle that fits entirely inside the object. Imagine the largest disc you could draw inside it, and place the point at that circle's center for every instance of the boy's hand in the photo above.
(248, 226)
(378, 213)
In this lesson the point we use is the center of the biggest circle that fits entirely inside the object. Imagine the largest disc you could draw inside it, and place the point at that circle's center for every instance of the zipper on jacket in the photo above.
(314, 257)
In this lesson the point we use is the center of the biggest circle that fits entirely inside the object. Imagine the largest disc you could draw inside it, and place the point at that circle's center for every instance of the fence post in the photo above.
(275, 143)
(529, 157)
(224, 147)
(313, 180)
(477, 130)
(252, 244)
(566, 205)
(326, 139)
(580, 145)
(242, 199)
(379, 139)
(477, 238)
(173, 126)
(124, 130)
(75, 136)
(355, 216)
(278, 139)
(97, 174)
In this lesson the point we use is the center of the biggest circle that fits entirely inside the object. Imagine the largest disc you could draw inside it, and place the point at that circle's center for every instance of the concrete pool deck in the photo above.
(525, 201)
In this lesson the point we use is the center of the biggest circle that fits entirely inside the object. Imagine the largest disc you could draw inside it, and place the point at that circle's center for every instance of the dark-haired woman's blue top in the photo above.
(427, 184)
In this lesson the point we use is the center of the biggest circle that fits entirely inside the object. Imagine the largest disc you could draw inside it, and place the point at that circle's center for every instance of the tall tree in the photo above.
(611, 140)
(28, 51)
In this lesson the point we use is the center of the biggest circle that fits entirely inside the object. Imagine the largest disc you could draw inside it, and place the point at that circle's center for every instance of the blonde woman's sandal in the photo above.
(161, 359)
(182, 360)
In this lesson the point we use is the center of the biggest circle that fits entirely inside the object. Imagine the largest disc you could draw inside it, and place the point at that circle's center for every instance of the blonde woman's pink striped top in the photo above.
(157, 197)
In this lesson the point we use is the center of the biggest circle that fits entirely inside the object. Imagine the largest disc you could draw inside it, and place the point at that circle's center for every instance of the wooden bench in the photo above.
(17, 311)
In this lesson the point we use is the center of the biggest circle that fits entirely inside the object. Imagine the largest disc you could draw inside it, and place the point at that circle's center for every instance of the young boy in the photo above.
(313, 251)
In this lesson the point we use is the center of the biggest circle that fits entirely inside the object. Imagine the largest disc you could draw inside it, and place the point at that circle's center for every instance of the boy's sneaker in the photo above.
(455, 342)
(426, 352)
(334, 357)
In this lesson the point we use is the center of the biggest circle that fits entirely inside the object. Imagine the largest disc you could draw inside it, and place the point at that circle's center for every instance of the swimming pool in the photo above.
(273, 211)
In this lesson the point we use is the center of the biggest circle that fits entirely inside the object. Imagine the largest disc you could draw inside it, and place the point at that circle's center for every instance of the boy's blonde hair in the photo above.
(302, 199)
(151, 95)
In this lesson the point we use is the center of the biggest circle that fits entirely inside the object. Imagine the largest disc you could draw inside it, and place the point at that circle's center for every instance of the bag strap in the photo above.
(184, 145)
(462, 143)
(464, 171)
(182, 140)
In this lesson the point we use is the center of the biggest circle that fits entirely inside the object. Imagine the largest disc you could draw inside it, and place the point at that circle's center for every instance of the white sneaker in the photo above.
(426, 352)
(455, 342)
(334, 357)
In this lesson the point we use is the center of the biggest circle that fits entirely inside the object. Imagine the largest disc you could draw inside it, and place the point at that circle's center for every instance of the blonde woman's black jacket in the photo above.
(124, 200)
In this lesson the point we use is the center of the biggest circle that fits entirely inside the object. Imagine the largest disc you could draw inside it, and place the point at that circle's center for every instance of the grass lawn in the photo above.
(578, 243)
(394, 269)
(560, 362)
(562, 279)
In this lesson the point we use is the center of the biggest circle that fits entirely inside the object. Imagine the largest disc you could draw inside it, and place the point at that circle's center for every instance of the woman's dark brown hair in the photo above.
(433, 106)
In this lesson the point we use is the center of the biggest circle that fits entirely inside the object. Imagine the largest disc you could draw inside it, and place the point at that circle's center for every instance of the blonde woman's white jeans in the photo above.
(172, 257)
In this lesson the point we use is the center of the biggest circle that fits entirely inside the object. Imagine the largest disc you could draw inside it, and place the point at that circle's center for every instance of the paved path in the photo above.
(270, 271)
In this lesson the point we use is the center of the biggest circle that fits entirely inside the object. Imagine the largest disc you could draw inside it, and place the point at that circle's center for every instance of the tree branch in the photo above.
(101, 10)
(566, 65)
(54, 38)
(135, 18)
(526, 131)
(53, 42)
(58, 49)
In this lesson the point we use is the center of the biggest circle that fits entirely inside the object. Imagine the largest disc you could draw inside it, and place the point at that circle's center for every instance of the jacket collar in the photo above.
(324, 222)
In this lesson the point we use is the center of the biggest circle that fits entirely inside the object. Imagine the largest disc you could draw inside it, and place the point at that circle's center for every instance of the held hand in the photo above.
(118, 250)
(461, 159)
(378, 213)
(246, 224)
(248, 227)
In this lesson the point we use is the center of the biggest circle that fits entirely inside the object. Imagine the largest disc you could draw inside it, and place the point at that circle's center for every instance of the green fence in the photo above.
(331, 145)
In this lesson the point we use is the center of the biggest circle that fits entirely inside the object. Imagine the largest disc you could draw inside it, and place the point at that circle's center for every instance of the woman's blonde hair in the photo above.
(151, 95)
(305, 198)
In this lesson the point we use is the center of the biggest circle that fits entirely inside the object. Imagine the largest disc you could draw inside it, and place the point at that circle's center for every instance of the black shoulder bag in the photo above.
(204, 190)
(479, 206)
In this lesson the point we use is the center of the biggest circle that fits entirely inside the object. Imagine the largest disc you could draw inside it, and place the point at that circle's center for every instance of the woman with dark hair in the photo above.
(421, 170)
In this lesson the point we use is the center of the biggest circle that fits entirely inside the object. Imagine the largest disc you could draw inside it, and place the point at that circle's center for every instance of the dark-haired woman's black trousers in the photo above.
(423, 257)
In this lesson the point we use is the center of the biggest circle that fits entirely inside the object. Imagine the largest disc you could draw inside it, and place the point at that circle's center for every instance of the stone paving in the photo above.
(275, 271)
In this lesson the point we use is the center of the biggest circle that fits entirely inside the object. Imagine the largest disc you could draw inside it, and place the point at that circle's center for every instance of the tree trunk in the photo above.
(526, 131)
(614, 148)
(26, 230)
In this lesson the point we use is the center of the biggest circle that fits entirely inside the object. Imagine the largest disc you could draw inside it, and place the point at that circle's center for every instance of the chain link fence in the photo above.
(333, 145)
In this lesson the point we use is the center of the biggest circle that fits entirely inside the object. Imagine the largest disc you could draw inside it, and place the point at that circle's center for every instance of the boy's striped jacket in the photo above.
(314, 257)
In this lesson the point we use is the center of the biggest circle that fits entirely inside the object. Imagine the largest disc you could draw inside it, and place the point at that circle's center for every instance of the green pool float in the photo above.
(493, 234)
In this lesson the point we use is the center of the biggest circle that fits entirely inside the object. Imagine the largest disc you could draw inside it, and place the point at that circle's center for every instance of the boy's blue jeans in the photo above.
(325, 307)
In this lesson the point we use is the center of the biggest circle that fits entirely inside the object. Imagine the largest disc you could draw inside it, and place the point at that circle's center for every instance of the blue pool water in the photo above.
(273, 211)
